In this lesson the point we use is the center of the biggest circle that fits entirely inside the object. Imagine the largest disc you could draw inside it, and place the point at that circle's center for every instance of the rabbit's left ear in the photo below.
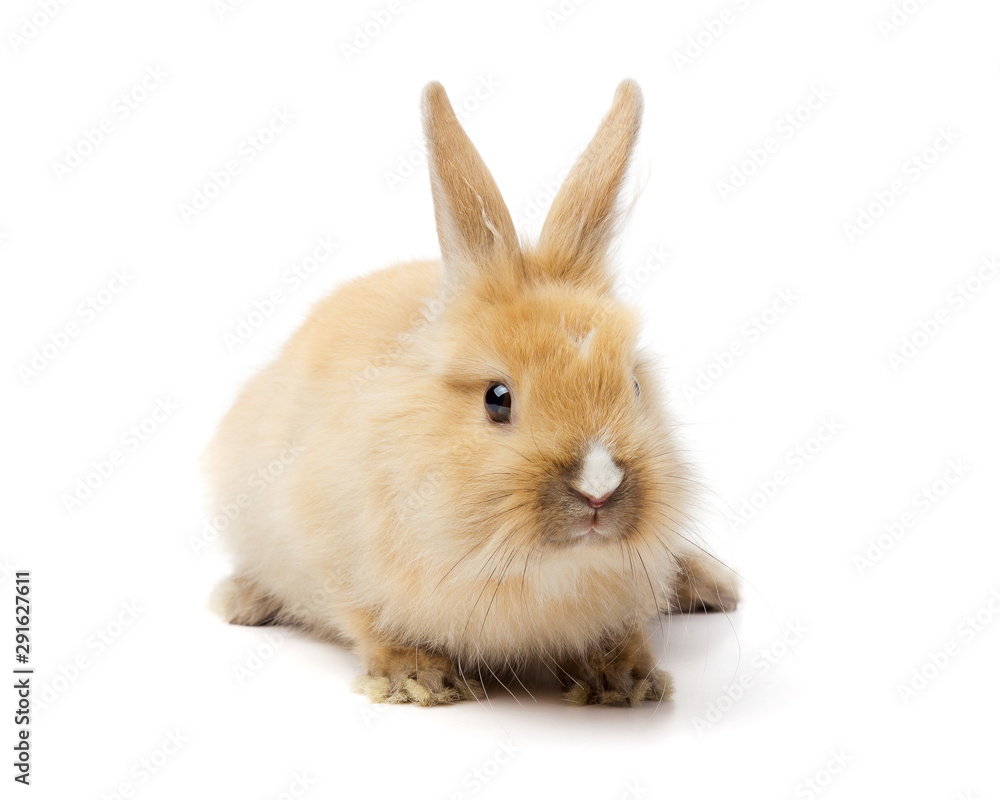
(474, 226)
(583, 220)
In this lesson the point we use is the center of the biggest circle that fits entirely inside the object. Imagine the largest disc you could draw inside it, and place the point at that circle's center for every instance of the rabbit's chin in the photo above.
(589, 537)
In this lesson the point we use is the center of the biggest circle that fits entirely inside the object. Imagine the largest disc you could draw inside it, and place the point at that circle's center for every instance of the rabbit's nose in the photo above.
(599, 476)
(596, 502)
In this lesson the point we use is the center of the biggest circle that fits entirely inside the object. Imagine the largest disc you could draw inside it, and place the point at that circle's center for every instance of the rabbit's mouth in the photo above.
(598, 519)
(594, 527)
(581, 521)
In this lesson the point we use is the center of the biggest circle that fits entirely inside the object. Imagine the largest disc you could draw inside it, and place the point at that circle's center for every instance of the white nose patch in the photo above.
(600, 475)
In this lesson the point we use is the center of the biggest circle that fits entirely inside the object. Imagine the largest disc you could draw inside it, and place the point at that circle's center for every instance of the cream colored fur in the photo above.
(405, 522)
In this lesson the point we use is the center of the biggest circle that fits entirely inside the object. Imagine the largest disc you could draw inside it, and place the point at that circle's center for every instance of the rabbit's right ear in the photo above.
(474, 226)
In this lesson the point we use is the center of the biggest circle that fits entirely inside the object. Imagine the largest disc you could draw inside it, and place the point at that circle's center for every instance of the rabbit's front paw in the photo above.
(414, 675)
(617, 674)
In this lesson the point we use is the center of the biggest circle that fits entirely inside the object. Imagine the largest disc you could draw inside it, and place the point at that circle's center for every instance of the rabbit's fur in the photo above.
(442, 545)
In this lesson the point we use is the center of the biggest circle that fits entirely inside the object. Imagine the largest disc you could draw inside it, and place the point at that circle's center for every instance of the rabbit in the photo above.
(469, 471)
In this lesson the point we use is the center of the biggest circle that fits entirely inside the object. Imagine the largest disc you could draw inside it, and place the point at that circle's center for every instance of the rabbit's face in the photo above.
(571, 448)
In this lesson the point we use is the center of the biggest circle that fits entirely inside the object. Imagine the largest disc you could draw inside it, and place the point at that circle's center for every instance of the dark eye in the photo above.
(497, 402)
(638, 388)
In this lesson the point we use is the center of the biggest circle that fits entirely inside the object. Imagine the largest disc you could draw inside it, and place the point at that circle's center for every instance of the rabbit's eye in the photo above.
(638, 388)
(497, 402)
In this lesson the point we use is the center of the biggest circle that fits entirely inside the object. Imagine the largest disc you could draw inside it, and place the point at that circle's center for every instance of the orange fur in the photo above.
(407, 521)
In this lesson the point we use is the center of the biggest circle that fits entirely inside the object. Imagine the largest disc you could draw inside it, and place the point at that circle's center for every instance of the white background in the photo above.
(798, 694)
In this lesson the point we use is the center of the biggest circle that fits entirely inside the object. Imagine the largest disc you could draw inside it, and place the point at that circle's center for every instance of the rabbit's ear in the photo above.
(583, 220)
(474, 226)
